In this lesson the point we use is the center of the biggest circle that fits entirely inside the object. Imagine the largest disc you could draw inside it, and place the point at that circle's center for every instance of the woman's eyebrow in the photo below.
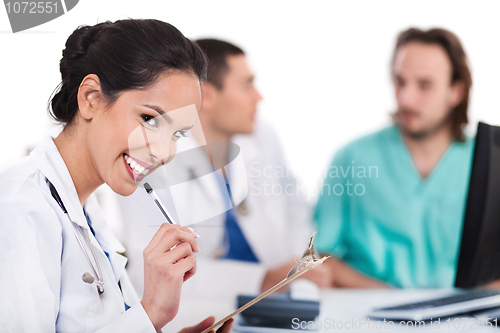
(160, 112)
(187, 128)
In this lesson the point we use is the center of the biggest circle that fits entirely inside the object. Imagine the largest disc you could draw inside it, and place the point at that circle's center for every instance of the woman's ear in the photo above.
(89, 96)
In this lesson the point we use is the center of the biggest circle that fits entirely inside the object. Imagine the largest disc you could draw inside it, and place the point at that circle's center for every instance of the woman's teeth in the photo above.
(136, 166)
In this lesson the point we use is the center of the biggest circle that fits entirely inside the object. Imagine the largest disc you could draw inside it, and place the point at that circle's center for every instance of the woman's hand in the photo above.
(168, 261)
(206, 324)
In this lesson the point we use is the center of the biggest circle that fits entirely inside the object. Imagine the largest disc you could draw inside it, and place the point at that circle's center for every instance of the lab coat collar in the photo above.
(49, 161)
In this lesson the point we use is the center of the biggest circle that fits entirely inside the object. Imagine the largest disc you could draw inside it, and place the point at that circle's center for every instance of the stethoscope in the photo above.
(87, 277)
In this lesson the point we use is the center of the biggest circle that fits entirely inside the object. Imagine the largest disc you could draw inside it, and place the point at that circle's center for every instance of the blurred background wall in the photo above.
(322, 66)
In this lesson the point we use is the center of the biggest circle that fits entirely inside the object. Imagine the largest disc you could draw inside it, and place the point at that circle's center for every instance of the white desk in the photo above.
(346, 306)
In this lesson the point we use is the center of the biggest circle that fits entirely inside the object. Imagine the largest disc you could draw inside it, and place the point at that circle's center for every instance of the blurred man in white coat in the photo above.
(248, 248)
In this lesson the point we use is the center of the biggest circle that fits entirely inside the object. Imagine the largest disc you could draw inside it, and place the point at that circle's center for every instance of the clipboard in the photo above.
(307, 267)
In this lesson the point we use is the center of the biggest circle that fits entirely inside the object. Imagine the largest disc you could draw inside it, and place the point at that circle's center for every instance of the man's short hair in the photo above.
(217, 52)
(459, 63)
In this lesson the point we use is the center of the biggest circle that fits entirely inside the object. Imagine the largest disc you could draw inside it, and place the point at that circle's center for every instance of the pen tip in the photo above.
(148, 187)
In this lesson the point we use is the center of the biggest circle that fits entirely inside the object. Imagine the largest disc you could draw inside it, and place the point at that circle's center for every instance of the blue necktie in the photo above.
(87, 217)
(236, 243)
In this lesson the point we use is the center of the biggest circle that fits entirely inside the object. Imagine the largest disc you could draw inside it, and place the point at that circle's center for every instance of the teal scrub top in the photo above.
(378, 214)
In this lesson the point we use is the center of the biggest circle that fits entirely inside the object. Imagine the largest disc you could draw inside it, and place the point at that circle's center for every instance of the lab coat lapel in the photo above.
(105, 237)
(108, 243)
(48, 159)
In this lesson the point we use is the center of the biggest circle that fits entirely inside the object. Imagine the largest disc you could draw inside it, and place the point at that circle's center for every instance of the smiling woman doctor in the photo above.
(129, 91)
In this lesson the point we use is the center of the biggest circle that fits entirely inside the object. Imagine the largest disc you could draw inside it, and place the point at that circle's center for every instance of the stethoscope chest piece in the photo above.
(88, 278)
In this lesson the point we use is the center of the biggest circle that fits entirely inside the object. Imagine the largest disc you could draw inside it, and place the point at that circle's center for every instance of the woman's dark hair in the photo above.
(125, 55)
(460, 68)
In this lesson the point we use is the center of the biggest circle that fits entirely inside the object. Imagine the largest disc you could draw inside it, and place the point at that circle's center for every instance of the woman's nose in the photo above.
(163, 151)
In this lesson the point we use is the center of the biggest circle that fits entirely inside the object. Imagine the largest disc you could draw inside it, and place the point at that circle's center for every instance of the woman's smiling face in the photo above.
(139, 131)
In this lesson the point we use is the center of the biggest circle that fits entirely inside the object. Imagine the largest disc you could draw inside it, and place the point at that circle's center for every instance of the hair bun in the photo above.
(79, 41)
(63, 103)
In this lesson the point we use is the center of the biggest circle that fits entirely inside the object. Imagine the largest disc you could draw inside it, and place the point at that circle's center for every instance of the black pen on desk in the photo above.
(155, 198)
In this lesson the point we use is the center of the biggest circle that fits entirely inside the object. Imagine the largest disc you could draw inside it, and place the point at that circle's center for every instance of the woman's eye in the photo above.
(150, 120)
(179, 134)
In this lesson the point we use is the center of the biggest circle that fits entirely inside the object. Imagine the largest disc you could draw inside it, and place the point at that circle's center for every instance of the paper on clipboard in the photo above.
(307, 262)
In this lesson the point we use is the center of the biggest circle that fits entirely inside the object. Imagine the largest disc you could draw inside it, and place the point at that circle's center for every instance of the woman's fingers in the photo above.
(183, 258)
(169, 235)
(226, 328)
(166, 227)
(173, 264)
(181, 251)
(187, 265)
(174, 236)
(199, 327)
(190, 267)
(170, 263)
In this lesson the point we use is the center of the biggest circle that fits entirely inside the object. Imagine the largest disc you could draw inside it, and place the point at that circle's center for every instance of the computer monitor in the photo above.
(479, 258)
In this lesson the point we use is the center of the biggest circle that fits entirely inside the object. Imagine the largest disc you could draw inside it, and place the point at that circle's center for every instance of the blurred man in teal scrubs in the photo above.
(391, 207)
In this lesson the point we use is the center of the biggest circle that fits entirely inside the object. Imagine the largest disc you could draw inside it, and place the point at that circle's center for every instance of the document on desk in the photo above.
(306, 263)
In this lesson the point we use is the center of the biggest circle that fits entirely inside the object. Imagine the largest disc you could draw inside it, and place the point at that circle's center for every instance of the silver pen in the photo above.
(155, 198)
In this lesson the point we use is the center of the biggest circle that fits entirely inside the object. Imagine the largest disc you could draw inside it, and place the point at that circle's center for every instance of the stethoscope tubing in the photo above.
(98, 273)
(100, 279)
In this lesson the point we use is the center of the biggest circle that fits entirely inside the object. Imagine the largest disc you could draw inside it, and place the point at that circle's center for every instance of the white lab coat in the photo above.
(41, 262)
(277, 225)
